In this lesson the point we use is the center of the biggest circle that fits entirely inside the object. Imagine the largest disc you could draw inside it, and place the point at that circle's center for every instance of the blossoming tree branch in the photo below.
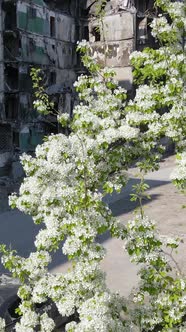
(69, 176)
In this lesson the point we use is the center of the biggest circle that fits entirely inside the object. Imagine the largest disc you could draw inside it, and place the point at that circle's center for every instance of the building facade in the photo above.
(43, 34)
(123, 29)
(34, 34)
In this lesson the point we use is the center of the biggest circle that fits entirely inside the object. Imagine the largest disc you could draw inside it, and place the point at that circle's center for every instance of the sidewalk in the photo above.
(165, 207)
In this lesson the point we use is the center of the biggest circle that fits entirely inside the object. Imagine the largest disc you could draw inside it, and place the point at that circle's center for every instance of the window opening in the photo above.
(52, 78)
(11, 108)
(32, 12)
(96, 34)
(52, 26)
(10, 18)
(32, 45)
(86, 33)
(15, 139)
(12, 78)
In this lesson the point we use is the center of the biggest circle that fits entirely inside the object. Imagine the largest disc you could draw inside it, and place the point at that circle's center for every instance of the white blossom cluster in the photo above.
(67, 179)
(40, 106)
(99, 314)
(46, 323)
(159, 106)
(160, 26)
(159, 103)
(61, 191)
(142, 239)
(28, 322)
(178, 176)
(160, 296)
(2, 324)
(168, 32)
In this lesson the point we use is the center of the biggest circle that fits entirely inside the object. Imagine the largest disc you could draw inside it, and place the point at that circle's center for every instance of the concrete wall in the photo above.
(117, 52)
(36, 19)
(39, 47)
(36, 34)
(46, 51)
(119, 26)
(117, 41)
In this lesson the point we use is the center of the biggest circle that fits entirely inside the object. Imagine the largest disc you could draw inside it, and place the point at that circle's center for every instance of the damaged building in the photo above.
(43, 34)
(40, 34)
(123, 29)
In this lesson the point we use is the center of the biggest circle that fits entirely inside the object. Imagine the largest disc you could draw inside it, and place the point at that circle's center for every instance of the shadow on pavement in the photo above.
(18, 231)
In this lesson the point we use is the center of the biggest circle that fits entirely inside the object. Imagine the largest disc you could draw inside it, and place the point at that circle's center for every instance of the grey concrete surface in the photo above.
(165, 207)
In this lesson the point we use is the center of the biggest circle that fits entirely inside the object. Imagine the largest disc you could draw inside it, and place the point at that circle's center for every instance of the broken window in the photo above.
(12, 46)
(15, 139)
(52, 26)
(25, 81)
(96, 34)
(140, 5)
(142, 35)
(144, 5)
(32, 45)
(63, 6)
(10, 16)
(5, 137)
(78, 60)
(77, 33)
(86, 33)
(11, 78)
(19, 46)
(32, 12)
(11, 107)
(52, 78)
